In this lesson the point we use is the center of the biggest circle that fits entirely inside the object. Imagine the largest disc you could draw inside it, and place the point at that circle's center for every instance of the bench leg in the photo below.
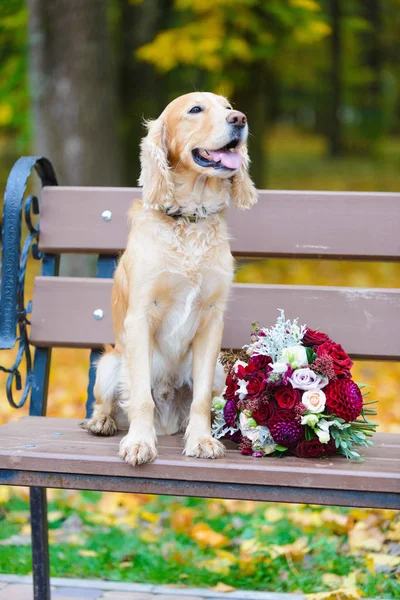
(40, 544)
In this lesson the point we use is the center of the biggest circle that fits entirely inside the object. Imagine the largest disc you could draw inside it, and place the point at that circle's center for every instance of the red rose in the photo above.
(287, 397)
(256, 384)
(342, 363)
(310, 449)
(231, 387)
(260, 362)
(264, 412)
(314, 338)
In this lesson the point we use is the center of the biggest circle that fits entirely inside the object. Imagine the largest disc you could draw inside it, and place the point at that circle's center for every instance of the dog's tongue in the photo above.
(231, 160)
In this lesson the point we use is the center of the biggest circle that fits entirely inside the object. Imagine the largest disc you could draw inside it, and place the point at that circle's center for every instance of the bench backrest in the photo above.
(361, 226)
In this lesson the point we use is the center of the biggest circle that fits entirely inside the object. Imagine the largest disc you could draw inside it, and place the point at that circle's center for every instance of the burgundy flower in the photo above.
(245, 446)
(314, 338)
(342, 363)
(230, 410)
(264, 412)
(323, 365)
(314, 449)
(260, 362)
(287, 397)
(286, 429)
(231, 387)
(344, 399)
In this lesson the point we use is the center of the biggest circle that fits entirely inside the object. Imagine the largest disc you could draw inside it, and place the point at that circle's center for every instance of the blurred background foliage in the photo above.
(319, 81)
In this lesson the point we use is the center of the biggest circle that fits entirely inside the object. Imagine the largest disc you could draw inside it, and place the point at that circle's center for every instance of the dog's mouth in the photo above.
(226, 158)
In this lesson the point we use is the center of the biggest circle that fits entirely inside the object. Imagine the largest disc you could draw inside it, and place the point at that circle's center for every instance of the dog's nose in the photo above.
(237, 119)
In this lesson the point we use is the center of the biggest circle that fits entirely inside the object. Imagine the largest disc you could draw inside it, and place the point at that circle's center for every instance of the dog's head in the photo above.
(197, 134)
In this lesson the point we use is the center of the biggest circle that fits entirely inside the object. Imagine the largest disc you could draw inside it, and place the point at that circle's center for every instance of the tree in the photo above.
(73, 94)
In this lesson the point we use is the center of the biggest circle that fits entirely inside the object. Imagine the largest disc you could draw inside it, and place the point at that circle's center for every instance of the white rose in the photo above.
(310, 420)
(306, 379)
(296, 356)
(314, 400)
(279, 367)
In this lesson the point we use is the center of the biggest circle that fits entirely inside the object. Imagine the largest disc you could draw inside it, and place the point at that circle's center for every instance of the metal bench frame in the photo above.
(15, 317)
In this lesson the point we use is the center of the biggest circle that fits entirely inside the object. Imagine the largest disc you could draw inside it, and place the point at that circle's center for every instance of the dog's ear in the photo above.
(155, 176)
(244, 193)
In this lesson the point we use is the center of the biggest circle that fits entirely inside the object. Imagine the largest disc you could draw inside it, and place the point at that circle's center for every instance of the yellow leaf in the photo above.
(148, 537)
(273, 515)
(306, 520)
(20, 516)
(26, 529)
(310, 5)
(374, 560)
(331, 580)
(150, 517)
(54, 515)
(337, 522)
(88, 553)
(394, 531)
(100, 519)
(296, 551)
(125, 565)
(182, 520)
(5, 494)
(362, 537)
(352, 593)
(223, 587)
(205, 536)
(6, 114)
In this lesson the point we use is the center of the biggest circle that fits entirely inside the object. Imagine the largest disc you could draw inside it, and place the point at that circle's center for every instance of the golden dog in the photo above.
(172, 282)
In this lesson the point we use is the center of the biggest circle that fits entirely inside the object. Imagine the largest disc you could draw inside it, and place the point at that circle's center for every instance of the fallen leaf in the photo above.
(273, 515)
(394, 531)
(295, 551)
(205, 536)
(331, 580)
(5, 494)
(223, 587)
(182, 520)
(381, 563)
(336, 522)
(150, 517)
(125, 565)
(20, 516)
(352, 593)
(362, 537)
(148, 537)
(309, 521)
(88, 553)
(54, 515)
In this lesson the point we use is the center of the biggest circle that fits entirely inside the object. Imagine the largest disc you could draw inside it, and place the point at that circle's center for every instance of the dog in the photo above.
(172, 282)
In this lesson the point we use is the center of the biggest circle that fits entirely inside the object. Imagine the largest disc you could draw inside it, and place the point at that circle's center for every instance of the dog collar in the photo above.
(179, 215)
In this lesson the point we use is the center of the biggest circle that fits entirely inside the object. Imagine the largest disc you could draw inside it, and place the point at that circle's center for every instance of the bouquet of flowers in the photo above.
(291, 391)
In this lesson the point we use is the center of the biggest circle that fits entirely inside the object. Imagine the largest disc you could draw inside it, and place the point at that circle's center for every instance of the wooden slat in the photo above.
(352, 225)
(364, 321)
(24, 447)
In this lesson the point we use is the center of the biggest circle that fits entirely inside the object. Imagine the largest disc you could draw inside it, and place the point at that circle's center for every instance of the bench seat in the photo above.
(53, 452)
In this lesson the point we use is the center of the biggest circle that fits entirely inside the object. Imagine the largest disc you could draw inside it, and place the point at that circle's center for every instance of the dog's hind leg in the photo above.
(105, 391)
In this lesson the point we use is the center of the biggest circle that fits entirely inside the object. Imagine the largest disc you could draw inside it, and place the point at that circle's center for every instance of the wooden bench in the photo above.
(44, 452)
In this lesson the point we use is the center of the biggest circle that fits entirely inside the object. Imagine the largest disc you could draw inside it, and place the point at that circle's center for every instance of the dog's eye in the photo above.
(229, 108)
(196, 109)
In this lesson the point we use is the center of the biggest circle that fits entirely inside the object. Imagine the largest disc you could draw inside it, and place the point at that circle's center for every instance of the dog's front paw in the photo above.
(136, 451)
(101, 425)
(205, 447)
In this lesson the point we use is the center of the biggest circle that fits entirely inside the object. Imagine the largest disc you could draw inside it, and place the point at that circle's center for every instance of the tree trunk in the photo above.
(73, 91)
(335, 124)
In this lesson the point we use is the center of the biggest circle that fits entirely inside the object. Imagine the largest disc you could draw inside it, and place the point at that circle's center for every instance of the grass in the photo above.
(242, 545)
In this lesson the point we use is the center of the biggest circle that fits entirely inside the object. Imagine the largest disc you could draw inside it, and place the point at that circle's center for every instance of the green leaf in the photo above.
(281, 448)
(311, 356)
(310, 433)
